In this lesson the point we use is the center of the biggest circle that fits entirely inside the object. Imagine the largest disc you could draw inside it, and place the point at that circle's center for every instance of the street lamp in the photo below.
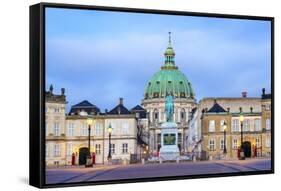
(89, 160)
(109, 146)
(224, 136)
(241, 119)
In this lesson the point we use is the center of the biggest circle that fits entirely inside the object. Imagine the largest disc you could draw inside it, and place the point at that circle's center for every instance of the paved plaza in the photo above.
(119, 172)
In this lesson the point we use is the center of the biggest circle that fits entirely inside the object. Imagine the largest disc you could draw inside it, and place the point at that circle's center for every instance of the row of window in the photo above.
(69, 149)
(84, 129)
(236, 127)
(54, 109)
(212, 144)
(155, 116)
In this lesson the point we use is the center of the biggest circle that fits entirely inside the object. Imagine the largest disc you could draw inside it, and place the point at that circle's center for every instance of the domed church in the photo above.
(168, 80)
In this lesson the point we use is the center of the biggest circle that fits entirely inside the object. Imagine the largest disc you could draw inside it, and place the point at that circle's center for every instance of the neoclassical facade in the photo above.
(67, 135)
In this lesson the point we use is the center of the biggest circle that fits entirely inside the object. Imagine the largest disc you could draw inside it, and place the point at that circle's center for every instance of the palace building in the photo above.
(67, 134)
(136, 133)
(256, 126)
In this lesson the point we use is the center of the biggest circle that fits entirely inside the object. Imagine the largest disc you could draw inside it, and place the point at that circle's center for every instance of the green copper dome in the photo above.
(169, 79)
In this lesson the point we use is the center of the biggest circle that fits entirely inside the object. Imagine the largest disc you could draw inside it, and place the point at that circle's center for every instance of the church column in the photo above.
(179, 115)
(160, 115)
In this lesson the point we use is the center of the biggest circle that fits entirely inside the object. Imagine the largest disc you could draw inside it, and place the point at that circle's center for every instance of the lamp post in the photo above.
(241, 119)
(89, 158)
(109, 146)
(224, 137)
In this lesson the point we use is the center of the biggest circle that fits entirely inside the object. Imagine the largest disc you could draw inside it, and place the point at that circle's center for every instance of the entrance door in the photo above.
(83, 154)
(247, 149)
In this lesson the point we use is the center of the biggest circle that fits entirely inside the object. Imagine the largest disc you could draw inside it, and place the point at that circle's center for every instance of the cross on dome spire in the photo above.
(169, 37)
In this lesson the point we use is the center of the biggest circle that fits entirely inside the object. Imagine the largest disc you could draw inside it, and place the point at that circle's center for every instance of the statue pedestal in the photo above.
(169, 142)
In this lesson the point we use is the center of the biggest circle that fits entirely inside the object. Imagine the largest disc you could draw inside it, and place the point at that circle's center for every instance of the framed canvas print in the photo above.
(121, 95)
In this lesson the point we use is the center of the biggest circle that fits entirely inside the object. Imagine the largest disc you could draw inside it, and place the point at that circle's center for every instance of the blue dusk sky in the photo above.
(100, 56)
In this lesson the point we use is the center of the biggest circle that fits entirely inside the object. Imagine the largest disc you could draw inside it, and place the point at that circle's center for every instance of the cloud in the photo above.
(104, 69)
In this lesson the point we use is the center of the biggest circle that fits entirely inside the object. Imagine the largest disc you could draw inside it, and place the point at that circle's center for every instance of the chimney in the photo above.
(62, 91)
(228, 110)
(263, 91)
(244, 94)
(121, 101)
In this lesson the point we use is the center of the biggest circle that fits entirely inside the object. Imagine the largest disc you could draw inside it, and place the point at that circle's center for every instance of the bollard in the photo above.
(142, 161)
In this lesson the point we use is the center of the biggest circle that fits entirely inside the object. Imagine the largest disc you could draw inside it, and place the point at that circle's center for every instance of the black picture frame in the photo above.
(37, 92)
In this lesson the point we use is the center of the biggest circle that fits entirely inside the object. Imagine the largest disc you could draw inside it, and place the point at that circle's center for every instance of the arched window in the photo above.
(183, 115)
(155, 115)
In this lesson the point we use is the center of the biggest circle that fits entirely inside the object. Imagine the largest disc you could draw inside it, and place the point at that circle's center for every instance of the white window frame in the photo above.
(257, 124)
(212, 126)
(84, 130)
(268, 124)
(98, 128)
(112, 147)
(70, 129)
(125, 148)
(125, 128)
(235, 143)
(246, 125)
(56, 150)
(221, 125)
(56, 129)
(212, 144)
(69, 149)
(267, 141)
(98, 149)
(222, 143)
(258, 142)
(235, 125)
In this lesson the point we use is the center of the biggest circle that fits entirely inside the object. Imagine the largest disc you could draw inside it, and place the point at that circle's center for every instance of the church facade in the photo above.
(168, 80)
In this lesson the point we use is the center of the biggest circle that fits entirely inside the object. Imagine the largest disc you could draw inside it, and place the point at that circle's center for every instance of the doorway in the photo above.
(83, 154)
